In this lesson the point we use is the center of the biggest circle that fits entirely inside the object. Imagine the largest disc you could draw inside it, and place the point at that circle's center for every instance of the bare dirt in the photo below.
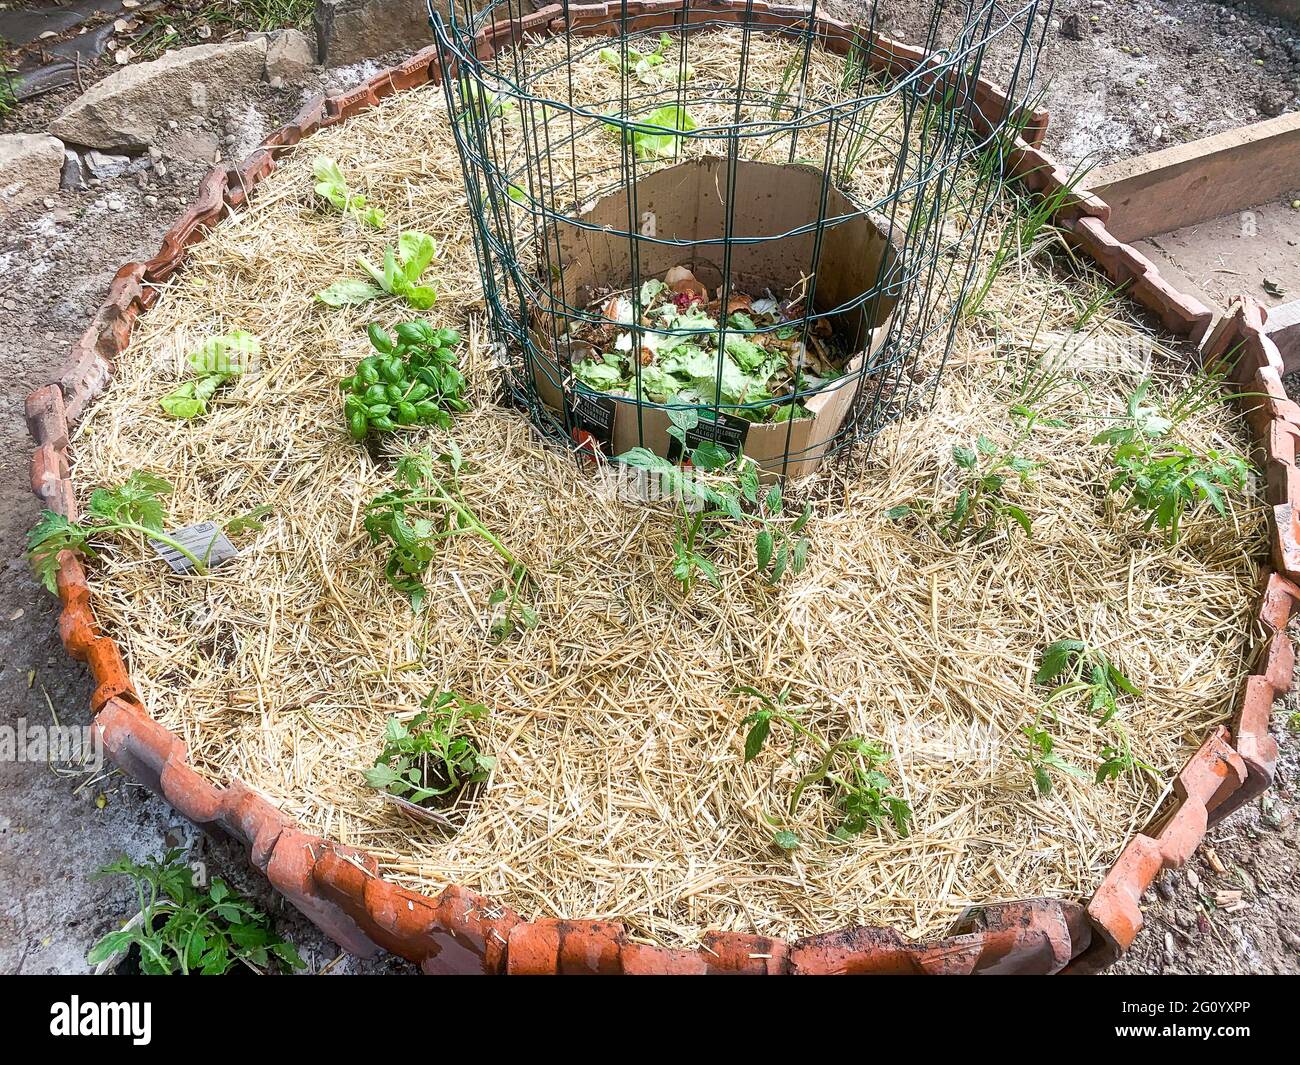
(1140, 76)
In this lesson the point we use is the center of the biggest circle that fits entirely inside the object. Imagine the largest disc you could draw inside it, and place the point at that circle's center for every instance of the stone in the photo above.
(126, 111)
(74, 174)
(348, 31)
(107, 166)
(31, 166)
(290, 55)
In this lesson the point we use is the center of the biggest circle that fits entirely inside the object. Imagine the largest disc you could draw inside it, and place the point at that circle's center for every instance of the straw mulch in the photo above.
(620, 790)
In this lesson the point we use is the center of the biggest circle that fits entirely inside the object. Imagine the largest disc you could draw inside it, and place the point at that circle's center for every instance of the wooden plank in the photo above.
(1189, 183)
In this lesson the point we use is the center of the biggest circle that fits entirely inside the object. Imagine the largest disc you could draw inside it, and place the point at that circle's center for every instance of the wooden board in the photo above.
(1190, 183)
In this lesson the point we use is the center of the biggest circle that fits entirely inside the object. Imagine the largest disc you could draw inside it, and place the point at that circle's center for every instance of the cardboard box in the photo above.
(774, 241)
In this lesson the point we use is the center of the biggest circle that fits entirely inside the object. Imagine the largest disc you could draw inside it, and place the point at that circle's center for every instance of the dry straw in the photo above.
(620, 790)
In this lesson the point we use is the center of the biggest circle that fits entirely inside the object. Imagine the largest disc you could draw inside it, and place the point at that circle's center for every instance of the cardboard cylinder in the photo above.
(781, 232)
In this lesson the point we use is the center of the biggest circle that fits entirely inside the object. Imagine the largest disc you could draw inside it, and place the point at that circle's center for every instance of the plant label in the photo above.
(727, 432)
(206, 540)
(592, 415)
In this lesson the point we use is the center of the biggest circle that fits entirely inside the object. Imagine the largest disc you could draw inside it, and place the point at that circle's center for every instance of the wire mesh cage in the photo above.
(729, 221)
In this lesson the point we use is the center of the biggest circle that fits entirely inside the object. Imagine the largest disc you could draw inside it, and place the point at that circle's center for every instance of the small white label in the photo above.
(205, 540)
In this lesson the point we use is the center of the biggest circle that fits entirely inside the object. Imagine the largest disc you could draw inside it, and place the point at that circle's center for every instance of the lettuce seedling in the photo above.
(658, 135)
(218, 360)
(399, 276)
(332, 187)
(647, 67)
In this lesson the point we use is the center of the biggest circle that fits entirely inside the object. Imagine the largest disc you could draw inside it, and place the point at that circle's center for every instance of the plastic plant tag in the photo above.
(727, 431)
(205, 540)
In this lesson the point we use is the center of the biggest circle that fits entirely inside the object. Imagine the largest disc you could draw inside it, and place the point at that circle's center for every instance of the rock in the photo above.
(107, 166)
(126, 111)
(199, 147)
(290, 55)
(348, 31)
(74, 174)
(1072, 27)
(1272, 102)
(31, 165)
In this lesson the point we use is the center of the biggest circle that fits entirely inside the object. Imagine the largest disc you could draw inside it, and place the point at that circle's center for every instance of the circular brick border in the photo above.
(339, 888)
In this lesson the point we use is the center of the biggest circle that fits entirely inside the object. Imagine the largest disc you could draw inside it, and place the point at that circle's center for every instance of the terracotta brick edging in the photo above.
(339, 889)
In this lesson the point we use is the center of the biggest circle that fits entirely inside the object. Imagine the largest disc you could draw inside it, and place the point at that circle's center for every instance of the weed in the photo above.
(185, 929)
(8, 97)
(1029, 228)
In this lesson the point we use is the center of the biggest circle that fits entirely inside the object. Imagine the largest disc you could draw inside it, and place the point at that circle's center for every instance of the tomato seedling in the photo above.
(185, 928)
(135, 507)
(717, 487)
(1086, 671)
(1163, 478)
(850, 767)
(429, 761)
(430, 508)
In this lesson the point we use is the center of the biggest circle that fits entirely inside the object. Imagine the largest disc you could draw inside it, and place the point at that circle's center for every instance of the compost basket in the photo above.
(339, 888)
(624, 294)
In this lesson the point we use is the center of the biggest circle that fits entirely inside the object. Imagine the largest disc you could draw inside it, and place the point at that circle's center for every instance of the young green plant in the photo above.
(1118, 759)
(217, 360)
(187, 929)
(413, 378)
(716, 487)
(399, 276)
(135, 507)
(428, 509)
(1163, 478)
(851, 767)
(649, 68)
(430, 760)
(1043, 760)
(332, 187)
(1071, 667)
